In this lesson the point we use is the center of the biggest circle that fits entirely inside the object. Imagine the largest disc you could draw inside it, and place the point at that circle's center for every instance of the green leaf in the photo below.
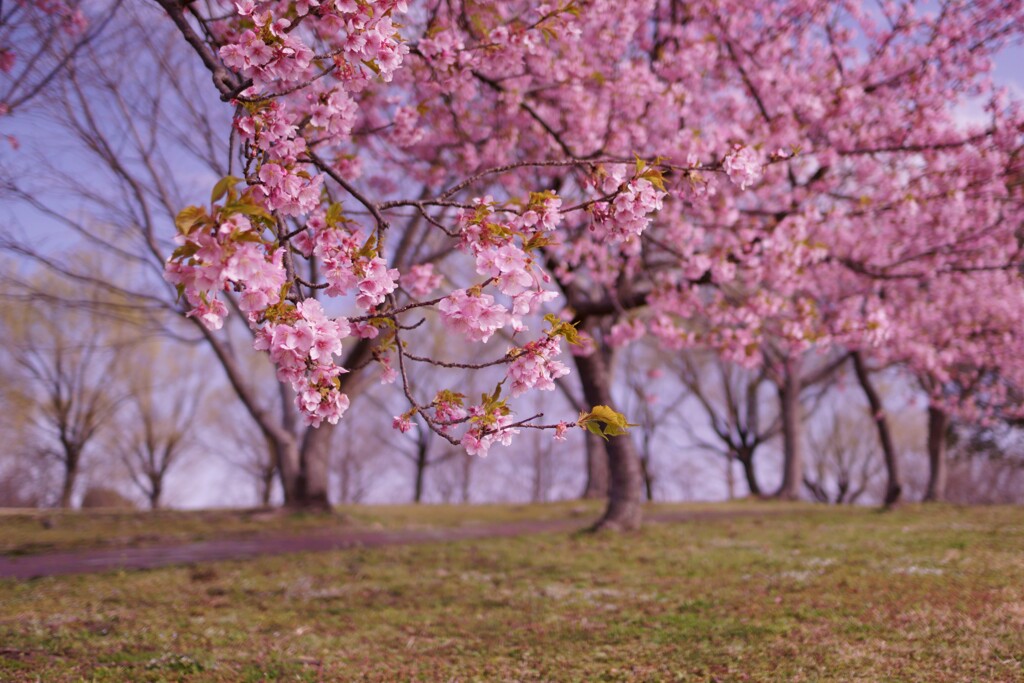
(604, 422)
(188, 217)
(640, 164)
(222, 187)
(560, 328)
(335, 213)
(250, 210)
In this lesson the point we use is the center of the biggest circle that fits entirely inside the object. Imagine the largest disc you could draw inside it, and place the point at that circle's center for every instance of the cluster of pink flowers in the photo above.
(535, 367)
(509, 265)
(402, 423)
(406, 131)
(543, 213)
(267, 53)
(628, 214)
(302, 345)
(273, 129)
(743, 166)
(448, 410)
(441, 49)
(346, 265)
(286, 190)
(492, 242)
(421, 280)
(626, 332)
(229, 256)
(475, 315)
(631, 210)
(478, 439)
(332, 111)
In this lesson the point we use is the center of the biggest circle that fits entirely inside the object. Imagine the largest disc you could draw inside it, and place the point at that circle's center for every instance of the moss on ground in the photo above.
(804, 594)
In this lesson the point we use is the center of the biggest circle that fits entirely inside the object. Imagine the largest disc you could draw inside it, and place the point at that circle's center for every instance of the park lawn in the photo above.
(812, 593)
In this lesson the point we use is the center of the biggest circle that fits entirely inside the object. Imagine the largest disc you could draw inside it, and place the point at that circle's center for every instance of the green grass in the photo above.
(806, 594)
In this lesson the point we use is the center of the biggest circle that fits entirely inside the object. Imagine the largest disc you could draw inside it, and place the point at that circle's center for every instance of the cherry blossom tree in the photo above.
(627, 168)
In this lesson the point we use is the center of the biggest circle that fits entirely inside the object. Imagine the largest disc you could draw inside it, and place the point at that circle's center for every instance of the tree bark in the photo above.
(156, 492)
(645, 472)
(746, 458)
(68, 487)
(267, 486)
(938, 422)
(893, 487)
(625, 491)
(792, 428)
(597, 468)
(421, 470)
(315, 466)
(287, 457)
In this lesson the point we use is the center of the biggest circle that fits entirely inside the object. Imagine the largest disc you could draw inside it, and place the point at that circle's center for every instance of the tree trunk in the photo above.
(315, 466)
(156, 491)
(893, 487)
(421, 470)
(70, 475)
(792, 428)
(68, 488)
(597, 467)
(645, 472)
(625, 491)
(746, 458)
(938, 421)
(287, 457)
(267, 485)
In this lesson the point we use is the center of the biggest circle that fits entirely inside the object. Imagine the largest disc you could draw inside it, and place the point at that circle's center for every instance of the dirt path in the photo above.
(102, 560)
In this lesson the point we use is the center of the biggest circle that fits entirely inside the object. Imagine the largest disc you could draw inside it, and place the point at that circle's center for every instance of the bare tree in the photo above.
(731, 398)
(66, 361)
(641, 368)
(986, 464)
(159, 428)
(843, 465)
(353, 463)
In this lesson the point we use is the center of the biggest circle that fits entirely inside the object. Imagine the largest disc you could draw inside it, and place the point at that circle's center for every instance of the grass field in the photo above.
(804, 594)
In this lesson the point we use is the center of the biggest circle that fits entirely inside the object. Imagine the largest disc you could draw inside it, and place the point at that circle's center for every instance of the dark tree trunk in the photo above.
(67, 489)
(625, 492)
(156, 491)
(421, 470)
(645, 472)
(746, 458)
(938, 422)
(893, 487)
(597, 467)
(792, 428)
(70, 475)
